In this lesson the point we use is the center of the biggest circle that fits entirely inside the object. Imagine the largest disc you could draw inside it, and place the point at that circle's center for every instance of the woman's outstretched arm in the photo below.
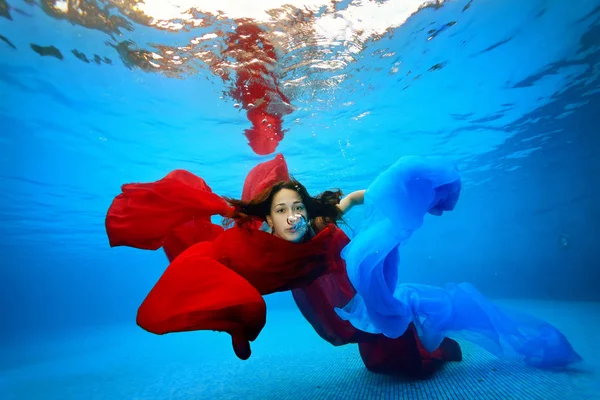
(353, 199)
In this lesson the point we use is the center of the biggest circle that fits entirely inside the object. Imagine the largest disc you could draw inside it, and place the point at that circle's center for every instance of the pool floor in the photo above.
(289, 361)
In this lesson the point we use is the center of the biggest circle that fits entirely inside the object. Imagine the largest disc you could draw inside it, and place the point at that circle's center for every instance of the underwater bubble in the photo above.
(564, 240)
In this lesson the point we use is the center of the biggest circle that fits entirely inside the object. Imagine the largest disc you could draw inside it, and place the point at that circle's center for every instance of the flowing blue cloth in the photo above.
(395, 205)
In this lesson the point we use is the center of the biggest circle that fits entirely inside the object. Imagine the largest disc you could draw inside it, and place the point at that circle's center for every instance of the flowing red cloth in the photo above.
(196, 292)
(217, 277)
(404, 355)
(145, 214)
(218, 285)
(263, 176)
(218, 282)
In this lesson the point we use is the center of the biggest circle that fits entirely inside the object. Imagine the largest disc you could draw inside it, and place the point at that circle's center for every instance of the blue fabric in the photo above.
(395, 205)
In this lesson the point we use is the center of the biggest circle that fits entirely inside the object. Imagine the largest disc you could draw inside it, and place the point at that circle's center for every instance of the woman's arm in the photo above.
(353, 199)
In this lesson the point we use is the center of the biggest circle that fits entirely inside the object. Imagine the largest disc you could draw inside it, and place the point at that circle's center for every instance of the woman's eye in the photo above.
(300, 208)
(280, 210)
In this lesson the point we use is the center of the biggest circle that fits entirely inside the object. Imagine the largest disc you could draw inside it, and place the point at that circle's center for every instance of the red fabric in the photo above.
(188, 234)
(257, 86)
(318, 300)
(272, 264)
(198, 293)
(406, 355)
(216, 278)
(263, 176)
(266, 131)
(217, 283)
(145, 213)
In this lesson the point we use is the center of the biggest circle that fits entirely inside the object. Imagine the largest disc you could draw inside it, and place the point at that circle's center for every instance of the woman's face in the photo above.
(287, 203)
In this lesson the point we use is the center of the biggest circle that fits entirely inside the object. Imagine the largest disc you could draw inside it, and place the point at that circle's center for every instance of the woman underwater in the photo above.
(347, 290)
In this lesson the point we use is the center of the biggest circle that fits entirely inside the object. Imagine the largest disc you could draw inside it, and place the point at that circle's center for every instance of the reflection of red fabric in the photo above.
(216, 278)
(266, 132)
(257, 87)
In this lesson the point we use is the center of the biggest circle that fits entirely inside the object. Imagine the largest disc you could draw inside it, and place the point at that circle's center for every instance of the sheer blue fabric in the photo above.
(395, 206)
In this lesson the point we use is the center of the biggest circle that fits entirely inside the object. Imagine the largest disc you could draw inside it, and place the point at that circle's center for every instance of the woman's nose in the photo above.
(293, 219)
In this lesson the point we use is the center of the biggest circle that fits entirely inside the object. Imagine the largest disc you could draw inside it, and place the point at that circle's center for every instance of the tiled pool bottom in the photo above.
(289, 361)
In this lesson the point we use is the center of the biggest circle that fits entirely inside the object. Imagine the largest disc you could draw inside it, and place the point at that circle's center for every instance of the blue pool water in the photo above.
(508, 89)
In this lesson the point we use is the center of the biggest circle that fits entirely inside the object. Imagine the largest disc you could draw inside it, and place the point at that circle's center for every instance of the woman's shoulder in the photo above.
(319, 223)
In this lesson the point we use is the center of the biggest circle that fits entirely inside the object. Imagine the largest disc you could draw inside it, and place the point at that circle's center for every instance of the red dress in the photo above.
(217, 277)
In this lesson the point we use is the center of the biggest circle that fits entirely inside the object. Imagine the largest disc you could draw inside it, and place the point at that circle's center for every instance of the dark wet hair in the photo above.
(248, 211)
